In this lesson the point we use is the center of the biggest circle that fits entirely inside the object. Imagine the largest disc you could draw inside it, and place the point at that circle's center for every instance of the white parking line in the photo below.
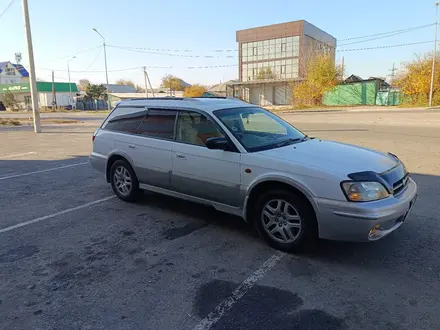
(239, 292)
(18, 155)
(22, 224)
(41, 171)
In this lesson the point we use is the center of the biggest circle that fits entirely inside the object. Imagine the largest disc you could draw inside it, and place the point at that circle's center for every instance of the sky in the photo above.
(62, 29)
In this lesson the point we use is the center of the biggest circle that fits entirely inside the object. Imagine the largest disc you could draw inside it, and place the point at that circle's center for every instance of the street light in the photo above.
(434, 54)
(70, 86)
(105, 61)
(32, 76)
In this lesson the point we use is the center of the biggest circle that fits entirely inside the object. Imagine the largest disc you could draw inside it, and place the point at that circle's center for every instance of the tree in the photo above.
(139, 89)
(173, 83)
(321, 75)
(266, 73)
(9, 101)
(95, 92)
(83, 83)
(125, 82)
(415, 81)
(194, 91)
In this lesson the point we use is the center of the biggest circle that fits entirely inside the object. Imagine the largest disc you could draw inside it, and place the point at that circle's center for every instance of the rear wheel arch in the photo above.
(111, 160)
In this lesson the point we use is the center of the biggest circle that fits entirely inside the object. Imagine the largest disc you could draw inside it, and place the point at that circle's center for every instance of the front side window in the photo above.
(124, 119)
(158, 124)
(257, 129)
(195, 128)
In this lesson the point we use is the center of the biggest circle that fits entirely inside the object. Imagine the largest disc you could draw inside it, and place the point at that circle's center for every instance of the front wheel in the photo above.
(124, 181)
(285, 220)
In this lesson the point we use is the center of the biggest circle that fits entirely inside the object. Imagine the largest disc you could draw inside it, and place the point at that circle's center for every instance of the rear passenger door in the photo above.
(145, 137)
(201, 172)
(154, 142)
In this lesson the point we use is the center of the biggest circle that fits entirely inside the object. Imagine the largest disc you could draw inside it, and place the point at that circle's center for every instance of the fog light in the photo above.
(373, 230)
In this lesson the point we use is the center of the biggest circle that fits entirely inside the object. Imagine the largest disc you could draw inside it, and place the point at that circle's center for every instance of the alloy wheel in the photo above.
(281, 221)
(122, 180)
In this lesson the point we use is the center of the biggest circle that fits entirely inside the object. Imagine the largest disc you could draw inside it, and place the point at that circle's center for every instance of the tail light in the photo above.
(94, 135)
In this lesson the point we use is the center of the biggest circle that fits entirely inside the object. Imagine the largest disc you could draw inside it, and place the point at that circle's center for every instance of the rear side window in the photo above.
(158, 124)
(125, 120)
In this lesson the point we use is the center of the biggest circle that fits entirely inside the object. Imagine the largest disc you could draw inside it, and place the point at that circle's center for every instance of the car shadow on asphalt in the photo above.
(207, 214)
(409, 241)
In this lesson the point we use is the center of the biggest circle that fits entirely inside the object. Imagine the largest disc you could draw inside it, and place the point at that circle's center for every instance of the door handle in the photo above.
(180, 156)
(132, 147)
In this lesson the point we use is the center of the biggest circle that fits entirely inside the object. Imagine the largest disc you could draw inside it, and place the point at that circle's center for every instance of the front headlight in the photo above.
(364, 191)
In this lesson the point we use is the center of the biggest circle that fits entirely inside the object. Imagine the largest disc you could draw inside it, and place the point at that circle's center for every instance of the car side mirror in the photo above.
(217, 143)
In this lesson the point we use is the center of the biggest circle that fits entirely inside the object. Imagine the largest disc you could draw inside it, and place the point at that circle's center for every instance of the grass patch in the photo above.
(95, 111)
(9, 122)
(66, 121)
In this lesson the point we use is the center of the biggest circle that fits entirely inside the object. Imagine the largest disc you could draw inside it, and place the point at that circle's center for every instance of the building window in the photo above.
(283, 47)
(254, 72)
(27, 100)
(254, 51)
(10, 71)
(283, 68)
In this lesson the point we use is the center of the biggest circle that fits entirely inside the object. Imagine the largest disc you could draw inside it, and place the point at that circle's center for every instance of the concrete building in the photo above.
(272, 57)
(22, 93)
(11, 73)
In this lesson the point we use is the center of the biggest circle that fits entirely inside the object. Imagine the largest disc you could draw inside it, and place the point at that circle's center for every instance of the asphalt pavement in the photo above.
(72, 256)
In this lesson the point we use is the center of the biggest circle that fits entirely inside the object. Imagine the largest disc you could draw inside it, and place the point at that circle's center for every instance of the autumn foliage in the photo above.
(321, 75)
(194, 91)
(415, 81)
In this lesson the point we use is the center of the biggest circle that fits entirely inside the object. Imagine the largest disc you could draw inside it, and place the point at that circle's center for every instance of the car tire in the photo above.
(286, 221)
(124, 181)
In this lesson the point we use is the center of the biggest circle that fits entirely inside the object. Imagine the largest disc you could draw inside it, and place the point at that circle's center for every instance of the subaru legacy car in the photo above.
(246, 161)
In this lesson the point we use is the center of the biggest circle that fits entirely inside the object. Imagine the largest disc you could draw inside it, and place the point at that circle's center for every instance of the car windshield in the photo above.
(258, 129)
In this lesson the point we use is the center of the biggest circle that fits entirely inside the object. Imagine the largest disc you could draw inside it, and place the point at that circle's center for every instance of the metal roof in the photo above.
(114, 88)
(206, 104)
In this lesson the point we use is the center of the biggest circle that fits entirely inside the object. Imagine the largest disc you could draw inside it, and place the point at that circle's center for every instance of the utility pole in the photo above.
(54, 95)
(106, 71)
(392, 75)
(146, 77)
(32, 75)
(434, 55)
(145, 81)
(70, 86)
(342, 68)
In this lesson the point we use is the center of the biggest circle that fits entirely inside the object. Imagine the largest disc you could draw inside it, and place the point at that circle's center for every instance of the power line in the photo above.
(382, 33)
(94, 61)
(145, 50)
(70, 56)
(384, 46)
(101, 71)
(213, 66)
(234, 65)
(7, 7)
(388, 35)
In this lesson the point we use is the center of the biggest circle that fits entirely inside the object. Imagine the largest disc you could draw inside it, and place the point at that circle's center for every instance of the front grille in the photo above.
(400, 185)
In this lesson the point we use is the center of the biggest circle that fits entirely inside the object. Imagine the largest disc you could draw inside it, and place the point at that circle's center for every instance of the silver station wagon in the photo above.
(244, 160)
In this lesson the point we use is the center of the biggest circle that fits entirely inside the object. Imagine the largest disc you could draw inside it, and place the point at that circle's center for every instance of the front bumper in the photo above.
(368, 221)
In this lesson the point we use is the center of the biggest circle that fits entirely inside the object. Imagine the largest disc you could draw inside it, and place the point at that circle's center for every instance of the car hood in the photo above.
(334, 156)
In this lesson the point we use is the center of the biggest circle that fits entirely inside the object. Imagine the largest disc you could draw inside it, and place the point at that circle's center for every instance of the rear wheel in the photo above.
(124, 181)
(285, 220)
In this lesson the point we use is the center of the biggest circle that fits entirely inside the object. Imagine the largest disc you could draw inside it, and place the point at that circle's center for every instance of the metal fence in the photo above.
(92, 105)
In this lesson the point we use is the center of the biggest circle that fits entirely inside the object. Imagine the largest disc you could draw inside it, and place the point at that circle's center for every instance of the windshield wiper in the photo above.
(290, 141)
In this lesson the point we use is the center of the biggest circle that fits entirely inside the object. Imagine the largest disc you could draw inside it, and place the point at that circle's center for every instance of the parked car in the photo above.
(244, 160)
